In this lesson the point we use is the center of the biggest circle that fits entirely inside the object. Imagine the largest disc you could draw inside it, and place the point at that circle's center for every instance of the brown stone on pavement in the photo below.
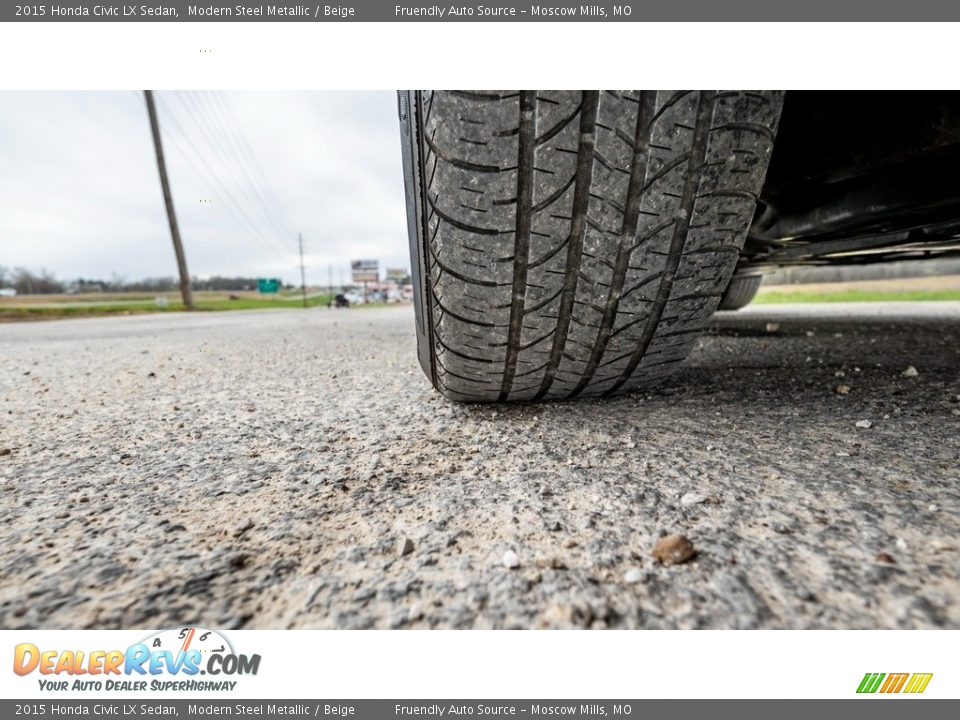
(673, 550)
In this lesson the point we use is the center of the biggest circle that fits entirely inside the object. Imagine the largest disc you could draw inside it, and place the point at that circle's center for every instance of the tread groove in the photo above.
(590, 106)
(696, 158)
(628, 233)
(527, 145)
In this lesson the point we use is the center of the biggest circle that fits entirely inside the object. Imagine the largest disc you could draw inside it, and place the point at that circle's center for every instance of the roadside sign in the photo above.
(268, 285)
(397, 274)
(364, 271)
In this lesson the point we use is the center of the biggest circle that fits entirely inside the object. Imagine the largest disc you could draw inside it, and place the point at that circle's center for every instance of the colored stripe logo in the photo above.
(913, 683)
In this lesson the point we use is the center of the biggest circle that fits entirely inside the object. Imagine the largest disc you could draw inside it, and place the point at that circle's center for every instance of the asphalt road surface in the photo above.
(293, 468)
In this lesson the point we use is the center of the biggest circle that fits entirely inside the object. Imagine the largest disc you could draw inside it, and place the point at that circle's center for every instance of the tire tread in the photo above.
(575, 243)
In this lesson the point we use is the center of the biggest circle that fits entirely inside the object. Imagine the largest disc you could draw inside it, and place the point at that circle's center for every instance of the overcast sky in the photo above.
(80, 194)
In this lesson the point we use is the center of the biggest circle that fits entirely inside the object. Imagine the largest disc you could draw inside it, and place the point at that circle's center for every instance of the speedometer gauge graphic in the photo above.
(181, 639)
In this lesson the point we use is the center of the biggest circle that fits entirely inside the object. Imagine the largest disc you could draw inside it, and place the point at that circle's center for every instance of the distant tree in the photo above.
(87, 285)
(117, 282)
(218, 282)
(28, 283)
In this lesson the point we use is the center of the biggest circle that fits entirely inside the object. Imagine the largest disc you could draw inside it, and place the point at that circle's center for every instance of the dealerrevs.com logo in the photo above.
(170, 660)
(890, 683)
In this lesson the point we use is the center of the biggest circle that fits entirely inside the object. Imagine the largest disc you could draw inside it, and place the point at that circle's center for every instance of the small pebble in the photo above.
(691, 499)
(842, 389)
(864, 423)
(243, 526)
(885, 558)
(673, 550)
(772, 327)
(5, 451)
(405, 546)
(510, 560)
(911, 371)
(633, 575)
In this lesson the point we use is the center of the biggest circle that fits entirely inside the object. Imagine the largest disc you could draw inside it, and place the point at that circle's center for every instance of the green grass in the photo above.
(853, 295)
(257, 304)
(66, 310)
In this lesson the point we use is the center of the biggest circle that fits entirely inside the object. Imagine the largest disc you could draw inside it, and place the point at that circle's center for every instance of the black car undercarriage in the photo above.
(859, 177)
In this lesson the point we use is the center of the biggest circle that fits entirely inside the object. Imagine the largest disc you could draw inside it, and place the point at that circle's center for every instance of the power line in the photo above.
(172, 120)
(232, 152)
(224, 153)
(239, 151)
(232, 205)
(250, 154)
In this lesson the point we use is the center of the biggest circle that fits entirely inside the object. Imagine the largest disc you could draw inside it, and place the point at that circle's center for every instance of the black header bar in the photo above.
(494, 11)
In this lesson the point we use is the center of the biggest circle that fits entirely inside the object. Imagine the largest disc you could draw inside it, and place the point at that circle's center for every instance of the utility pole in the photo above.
(303, 274)
(185, 293)
(330, 280)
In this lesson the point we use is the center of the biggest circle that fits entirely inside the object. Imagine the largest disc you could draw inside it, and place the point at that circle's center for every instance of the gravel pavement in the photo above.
(290, 468)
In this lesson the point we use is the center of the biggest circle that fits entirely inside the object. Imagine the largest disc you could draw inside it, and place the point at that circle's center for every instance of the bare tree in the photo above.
(42, 283)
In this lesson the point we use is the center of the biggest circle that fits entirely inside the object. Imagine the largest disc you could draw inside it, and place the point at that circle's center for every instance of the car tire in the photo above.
(575, 242)
(741, 290)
